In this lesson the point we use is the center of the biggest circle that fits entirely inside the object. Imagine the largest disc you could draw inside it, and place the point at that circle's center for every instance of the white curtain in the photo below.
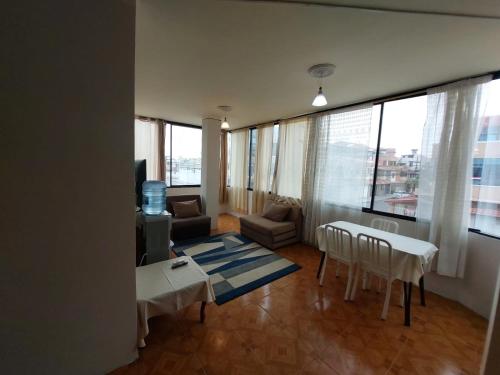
(147, 146)
(290, 161)
(337, 167)
(264, 167)
(238, 200)
(454, 113)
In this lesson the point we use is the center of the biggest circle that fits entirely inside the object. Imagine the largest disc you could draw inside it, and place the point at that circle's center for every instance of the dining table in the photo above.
(411, 257)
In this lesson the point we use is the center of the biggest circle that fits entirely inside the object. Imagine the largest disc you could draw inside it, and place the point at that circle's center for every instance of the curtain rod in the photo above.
(148, 118)
(400, 95)
(375, 9)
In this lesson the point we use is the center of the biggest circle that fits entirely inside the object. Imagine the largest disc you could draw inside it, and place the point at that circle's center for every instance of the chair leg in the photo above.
(365, 278)
(337, 271)
(349, 283)
(355, 285)
(379, 285)
(387, 300)
(323, 271)
(402, 295)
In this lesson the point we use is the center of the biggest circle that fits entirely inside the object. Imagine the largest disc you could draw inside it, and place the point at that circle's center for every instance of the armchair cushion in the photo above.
(276, 212)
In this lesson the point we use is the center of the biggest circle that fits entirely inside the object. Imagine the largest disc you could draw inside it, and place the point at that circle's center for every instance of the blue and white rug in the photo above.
(236, 265)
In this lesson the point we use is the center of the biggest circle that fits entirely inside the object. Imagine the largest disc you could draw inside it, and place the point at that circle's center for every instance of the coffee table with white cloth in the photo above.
(411, 257)
(163, 290)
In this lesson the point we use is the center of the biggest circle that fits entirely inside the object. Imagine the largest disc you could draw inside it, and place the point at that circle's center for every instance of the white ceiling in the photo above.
(192, 56)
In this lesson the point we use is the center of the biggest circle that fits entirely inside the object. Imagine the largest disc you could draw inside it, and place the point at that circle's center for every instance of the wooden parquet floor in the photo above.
(294, 326)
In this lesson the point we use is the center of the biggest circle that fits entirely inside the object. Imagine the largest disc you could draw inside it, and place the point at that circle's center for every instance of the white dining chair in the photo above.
(385, 225)
(375, 257)
(340, 248)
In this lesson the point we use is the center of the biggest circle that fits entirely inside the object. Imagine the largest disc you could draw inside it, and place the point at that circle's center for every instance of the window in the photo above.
(485, 210)
(274, 153)
(396, 160)
(228, 178)
(251, 157)
(182, 155)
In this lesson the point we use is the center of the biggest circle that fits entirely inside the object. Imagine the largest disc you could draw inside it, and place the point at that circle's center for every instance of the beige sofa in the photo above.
(272, 234)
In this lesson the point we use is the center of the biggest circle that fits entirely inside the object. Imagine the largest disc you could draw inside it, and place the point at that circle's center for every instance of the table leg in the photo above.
(321, 264)
(407, 299)
(202, 311)
(422, 290)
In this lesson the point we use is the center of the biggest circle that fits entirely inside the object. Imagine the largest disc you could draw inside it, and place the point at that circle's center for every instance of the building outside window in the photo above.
(485, 210)
(182, 155)
(398, 167)
(251, 156)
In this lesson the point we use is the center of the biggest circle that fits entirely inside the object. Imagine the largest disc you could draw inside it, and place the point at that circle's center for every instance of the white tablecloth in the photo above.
(411, 257)
(163, 290)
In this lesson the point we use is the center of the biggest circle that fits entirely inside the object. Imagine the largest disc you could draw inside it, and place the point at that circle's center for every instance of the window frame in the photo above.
(172, 123)
(370, 209)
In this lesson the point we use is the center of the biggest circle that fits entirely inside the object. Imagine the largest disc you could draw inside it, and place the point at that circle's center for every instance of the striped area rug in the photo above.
(236, 265)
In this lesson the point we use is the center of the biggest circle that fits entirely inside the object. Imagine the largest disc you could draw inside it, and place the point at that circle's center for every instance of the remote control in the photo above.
(179, 263)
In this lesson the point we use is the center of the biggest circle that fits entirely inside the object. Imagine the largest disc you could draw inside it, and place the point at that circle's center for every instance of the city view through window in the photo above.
(183, 159)
(399, 160)
(398, 169)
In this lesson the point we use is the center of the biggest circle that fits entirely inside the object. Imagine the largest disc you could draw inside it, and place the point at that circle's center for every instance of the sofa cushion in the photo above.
(276, 212)
(263, 225)
(182, 198)
(179, 223)
(186, 209)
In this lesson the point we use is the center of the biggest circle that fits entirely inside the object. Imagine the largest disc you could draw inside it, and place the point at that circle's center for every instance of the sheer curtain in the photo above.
(444, 199)
(290, 161)
(337, 167)
(238, 200)
(264, 167)
(148, 138)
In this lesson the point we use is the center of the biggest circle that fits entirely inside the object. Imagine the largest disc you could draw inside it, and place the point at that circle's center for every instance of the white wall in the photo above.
(67, 269)
(210, 169)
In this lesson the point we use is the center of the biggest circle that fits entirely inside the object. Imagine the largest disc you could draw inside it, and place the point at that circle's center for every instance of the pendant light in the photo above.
(225, 108)
(225, 124)
(319, 100)
(320, 71)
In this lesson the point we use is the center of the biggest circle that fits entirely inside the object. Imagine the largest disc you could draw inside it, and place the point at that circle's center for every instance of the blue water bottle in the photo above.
(154, 197)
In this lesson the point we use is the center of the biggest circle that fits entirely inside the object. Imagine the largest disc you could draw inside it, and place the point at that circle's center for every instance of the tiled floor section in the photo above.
(294, 326)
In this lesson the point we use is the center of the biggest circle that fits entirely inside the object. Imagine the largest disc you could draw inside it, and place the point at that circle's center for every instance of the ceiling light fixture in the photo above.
(320, 71)
(225, 124)
(225, 108)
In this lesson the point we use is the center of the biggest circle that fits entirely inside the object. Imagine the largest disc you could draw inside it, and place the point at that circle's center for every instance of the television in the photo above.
(140, 177)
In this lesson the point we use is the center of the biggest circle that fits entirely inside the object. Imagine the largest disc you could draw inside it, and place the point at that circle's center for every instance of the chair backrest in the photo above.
(339, 243)
(385, 225)
(375, 254)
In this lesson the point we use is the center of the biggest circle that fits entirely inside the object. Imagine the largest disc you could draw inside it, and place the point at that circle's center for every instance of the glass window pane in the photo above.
(186, 155)
(485, 207)
(398, 167)
(251, 164)
(167, 154)
(274, 153)
(228, 159)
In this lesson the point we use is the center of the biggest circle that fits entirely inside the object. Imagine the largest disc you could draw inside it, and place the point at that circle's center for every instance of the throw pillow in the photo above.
(276, 212)
(186, 209)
